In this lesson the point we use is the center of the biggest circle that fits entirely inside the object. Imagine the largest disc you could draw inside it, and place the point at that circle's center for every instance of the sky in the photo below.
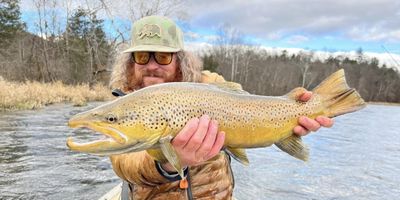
(334, 25)
(317, 25)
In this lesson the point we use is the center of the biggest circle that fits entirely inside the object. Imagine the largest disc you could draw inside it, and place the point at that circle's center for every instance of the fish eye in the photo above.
(111, 118)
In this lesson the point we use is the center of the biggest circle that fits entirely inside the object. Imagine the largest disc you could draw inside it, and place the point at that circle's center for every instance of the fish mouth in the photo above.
(113, 137)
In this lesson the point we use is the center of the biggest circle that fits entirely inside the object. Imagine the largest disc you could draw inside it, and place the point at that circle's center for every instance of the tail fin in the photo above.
(337, 96)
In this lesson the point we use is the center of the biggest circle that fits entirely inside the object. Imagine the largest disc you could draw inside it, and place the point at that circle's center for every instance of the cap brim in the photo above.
(155, 48)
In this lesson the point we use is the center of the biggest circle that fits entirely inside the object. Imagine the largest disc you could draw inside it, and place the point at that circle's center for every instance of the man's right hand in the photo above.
(198, 141)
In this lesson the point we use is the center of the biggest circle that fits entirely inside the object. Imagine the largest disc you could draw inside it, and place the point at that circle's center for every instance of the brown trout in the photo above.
(149, 118)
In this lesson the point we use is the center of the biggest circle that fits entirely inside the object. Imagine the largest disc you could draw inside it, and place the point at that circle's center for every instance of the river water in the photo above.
(359, 158)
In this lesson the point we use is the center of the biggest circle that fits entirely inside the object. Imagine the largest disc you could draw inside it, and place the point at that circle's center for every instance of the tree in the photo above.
(10, 22)
(87, 48)
(209, 62)
(360, 55)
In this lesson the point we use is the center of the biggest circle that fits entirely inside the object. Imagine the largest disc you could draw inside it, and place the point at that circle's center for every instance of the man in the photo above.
(157, 56)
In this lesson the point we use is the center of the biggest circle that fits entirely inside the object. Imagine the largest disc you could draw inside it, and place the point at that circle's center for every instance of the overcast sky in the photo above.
(322, 24)
(330, 25)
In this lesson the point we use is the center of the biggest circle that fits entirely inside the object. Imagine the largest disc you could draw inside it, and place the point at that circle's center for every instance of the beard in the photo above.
(146, 77)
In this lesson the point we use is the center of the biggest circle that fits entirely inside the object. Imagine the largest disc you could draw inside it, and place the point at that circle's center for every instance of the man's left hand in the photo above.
(306, 124)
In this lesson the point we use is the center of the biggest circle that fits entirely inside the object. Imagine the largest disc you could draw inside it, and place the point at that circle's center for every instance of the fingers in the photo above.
(305, 96)
(324, 121)
(208, 141)
(186, 133)
(309, 124)
(198, 141)
(300, 131)
(306, 124)
(197, 138)
(216, 148)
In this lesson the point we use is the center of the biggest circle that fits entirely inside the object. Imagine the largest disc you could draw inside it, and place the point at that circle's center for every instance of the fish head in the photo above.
(127, 126)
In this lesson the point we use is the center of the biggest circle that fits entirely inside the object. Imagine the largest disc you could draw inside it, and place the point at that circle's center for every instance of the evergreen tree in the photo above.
(87, 46)
(209, 63)
(10, 23)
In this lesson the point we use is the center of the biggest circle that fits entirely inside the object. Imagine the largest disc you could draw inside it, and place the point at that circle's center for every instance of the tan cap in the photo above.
(156, 33)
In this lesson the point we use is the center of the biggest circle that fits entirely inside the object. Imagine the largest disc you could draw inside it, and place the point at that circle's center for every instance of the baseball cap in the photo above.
(156, 33)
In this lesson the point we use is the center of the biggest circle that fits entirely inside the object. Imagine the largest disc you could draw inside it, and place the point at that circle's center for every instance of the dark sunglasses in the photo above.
(143, 57)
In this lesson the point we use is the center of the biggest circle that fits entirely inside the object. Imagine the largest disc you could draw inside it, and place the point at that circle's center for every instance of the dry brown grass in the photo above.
(33, 95)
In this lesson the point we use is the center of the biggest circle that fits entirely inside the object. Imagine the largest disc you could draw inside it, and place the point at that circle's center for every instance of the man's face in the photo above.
(153, 73)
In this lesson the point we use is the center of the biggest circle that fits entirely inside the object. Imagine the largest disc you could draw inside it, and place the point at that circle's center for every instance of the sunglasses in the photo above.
(143, 57)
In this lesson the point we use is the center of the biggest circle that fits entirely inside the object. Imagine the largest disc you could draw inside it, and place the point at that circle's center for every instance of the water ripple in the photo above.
(356, 159)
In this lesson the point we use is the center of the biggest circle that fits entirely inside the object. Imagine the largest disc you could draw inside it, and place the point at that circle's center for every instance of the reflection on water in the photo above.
(36, 164)
(356, 159)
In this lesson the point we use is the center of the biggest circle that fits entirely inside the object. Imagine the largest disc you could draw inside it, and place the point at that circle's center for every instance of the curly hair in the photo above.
(190, 67)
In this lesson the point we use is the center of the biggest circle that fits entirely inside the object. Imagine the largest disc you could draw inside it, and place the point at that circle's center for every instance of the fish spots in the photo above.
(153, 118)
(175, 104)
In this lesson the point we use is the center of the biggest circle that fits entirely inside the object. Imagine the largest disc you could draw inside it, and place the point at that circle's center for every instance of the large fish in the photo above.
(149, 118)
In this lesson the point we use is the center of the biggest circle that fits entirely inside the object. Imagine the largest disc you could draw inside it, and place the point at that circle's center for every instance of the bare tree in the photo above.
(44, 26)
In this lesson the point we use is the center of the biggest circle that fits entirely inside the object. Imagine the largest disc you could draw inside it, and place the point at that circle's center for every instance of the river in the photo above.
(359, 158)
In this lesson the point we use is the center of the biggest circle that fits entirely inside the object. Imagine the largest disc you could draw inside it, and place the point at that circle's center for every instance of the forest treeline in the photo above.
(81, 52)
(76, 55)
(261, 72)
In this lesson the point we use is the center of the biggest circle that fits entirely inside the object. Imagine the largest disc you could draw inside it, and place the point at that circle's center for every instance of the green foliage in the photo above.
(84, 24)
(210, 63)
(10, 23)
(87, 48)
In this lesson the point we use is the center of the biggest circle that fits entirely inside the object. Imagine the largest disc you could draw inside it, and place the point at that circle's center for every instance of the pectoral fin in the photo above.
(157, 154)
(294, 146)
(169, 153)
(238, 154)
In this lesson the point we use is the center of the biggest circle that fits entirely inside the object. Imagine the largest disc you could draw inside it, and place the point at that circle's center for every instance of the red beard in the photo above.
(151, 77)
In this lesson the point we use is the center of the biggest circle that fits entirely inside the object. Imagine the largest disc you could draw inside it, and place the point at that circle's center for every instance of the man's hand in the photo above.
(307, 124)
(198, 141)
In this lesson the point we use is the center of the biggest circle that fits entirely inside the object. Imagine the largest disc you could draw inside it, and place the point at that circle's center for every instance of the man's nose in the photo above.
(152, 65)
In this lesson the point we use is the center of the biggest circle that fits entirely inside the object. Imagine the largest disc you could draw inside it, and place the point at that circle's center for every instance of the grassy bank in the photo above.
(33, 95)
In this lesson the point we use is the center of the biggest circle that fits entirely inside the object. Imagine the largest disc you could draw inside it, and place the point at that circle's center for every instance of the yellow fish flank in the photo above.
(149, 118)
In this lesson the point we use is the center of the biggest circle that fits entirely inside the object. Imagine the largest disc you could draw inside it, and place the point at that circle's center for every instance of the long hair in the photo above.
(122, 76)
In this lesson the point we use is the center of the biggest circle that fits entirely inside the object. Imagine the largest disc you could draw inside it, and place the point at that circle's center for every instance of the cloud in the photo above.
(375, 34)
(211, 38)
(333, 24)
(192, 35)
(297, 39)
(316, 18)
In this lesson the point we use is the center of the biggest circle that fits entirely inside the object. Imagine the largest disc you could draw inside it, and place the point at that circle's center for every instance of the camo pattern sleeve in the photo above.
(211, 180)
(211, 77)
(137, 167)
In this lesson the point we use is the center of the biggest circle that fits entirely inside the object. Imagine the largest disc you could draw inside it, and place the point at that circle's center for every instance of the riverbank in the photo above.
(33, 95)
(384, 103)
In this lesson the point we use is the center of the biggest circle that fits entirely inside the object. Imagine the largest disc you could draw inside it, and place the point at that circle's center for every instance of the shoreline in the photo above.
(383, 103)
(32, 95)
